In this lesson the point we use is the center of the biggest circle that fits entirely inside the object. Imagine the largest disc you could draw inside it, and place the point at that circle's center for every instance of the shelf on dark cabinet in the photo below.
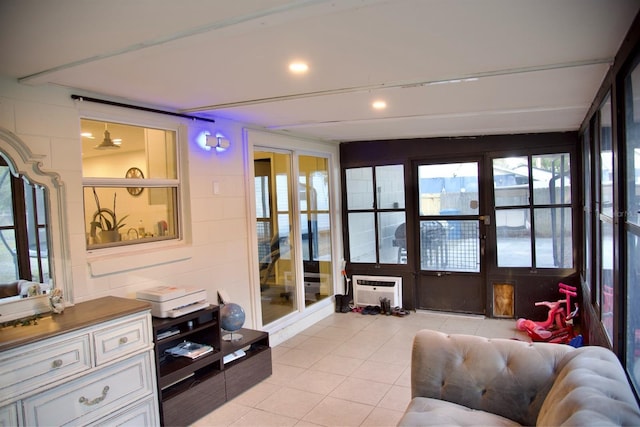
(251, 343)
(174, 369)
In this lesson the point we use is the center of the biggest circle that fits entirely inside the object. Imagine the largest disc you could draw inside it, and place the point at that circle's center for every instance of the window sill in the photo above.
(105, 264)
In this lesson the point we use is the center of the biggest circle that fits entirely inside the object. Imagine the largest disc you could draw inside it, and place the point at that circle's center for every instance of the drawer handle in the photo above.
(97, 400)
(56, 363)
(124, 340)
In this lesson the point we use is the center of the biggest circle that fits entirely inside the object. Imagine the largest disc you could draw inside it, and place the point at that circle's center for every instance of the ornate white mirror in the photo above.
(42, 239)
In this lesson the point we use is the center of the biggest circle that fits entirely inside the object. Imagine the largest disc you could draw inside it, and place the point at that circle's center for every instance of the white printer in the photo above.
(173, 301)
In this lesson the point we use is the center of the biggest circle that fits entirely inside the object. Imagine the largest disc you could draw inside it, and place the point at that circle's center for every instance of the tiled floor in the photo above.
(347, 370)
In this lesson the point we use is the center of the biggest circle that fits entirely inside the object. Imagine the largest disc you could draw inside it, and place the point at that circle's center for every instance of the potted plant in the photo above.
(107, 221)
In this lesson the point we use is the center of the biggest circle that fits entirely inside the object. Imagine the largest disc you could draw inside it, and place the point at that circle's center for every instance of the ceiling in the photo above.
(443, 67)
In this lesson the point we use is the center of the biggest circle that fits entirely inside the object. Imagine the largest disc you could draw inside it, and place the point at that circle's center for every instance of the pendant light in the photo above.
(107, 143)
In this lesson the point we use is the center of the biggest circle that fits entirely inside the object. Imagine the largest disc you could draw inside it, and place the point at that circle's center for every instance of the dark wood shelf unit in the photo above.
(188, 389)
(257, 341)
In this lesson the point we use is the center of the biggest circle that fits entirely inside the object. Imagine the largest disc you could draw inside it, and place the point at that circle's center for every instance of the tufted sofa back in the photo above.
(591, 389)
(505, 377)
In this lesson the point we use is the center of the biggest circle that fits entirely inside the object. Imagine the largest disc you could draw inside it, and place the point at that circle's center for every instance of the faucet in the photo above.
(134, 230)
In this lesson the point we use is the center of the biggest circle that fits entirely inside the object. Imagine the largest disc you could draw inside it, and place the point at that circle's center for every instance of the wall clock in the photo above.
(136, 174)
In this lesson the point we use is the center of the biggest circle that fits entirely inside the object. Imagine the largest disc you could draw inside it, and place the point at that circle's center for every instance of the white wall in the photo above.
(216, 252)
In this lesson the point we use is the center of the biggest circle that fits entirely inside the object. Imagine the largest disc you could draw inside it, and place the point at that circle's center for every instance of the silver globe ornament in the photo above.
(232, 319)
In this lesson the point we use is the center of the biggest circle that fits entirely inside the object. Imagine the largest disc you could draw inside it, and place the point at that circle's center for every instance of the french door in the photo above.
(294, 231)
(451, 240)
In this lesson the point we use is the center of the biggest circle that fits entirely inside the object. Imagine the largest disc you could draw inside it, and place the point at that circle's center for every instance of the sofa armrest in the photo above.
(505, 377)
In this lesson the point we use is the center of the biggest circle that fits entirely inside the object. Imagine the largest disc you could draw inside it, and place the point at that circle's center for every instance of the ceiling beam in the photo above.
(401, 84)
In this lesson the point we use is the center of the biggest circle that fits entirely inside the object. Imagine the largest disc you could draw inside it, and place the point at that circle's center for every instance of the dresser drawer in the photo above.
(36, 365)
(120, 338)
(141, 414)
(93, 396)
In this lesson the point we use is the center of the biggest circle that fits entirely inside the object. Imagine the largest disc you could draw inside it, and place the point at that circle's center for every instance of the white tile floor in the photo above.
(347, 370)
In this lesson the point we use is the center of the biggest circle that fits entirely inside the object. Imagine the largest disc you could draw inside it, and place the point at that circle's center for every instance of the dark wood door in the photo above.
(450, 235)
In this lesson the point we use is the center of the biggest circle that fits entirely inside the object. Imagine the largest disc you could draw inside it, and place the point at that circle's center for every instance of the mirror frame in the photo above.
(23, 162)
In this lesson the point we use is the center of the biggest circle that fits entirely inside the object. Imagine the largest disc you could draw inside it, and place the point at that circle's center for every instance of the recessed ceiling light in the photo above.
(379, 105)
(298, 67)
(87, 135)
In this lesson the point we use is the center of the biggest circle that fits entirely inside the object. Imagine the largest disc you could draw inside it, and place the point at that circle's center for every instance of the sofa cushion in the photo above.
(423, 411)
(505, 377)
(591, 389)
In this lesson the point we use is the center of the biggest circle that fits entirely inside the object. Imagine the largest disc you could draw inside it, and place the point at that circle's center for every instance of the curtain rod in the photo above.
(136, 107)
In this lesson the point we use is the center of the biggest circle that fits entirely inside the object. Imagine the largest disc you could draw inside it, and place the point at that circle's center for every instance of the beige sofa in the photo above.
(471, 380)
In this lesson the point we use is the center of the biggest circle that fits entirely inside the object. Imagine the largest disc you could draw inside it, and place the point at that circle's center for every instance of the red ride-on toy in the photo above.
(558, 327)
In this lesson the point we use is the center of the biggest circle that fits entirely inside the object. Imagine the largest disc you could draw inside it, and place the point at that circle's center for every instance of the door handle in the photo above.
(486, 219)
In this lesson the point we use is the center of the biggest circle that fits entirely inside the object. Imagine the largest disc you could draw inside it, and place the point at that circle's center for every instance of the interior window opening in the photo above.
(130, 184)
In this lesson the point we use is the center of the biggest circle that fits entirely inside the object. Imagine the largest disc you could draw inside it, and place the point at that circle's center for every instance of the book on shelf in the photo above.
(233, 356)
(168, 333)
(190, 349)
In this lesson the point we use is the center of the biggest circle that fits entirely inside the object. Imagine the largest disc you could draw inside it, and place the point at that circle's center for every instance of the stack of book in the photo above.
(190, 349)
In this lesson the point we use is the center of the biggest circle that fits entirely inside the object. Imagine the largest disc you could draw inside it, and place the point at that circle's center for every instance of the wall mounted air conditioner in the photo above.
(367, 290)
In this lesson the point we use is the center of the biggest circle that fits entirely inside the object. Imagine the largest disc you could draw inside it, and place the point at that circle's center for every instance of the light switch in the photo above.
(216, 187)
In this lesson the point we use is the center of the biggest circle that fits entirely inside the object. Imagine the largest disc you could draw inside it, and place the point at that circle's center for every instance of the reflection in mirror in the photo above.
(34, 255)
(24, 262)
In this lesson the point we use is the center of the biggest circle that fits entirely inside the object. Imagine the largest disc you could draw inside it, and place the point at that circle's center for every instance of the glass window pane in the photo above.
(393, 249)
(551, 179)
(632, 93)
(448, 189)
(307, 238)
(359, 183)
(362, 236)
(153, 151)
(283, 234)
(39, 258)
(41, 204)
(390, 186)
(606, 160)
(263, 209)
(450, 245)
(553, 239)
(6, 206)
(606, 277)
(113, 216)
(8, 260)
(322, 251)
(282, 192)
(633, 314)
(587, 214)
(513, 230)
(313, 189)
(511, 181)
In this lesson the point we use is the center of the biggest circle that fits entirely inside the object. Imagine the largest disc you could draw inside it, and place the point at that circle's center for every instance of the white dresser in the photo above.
(92, 365)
